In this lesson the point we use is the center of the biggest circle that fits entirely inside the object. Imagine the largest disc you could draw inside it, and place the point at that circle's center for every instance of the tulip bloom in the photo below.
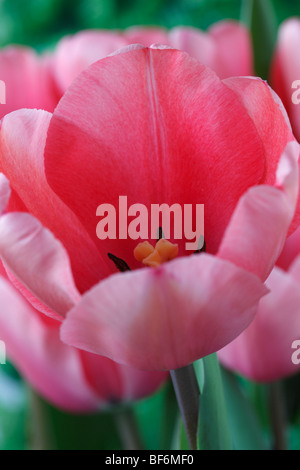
(119, 130)
(225, 47)
(27, 80)
(264, 351)
(285, 73)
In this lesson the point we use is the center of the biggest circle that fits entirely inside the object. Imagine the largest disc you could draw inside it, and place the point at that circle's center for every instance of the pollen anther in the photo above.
(155, 256)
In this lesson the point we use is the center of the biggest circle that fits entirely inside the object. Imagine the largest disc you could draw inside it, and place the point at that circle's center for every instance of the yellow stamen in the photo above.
(166, 249)
(153, 260)
(155, 256)
(142, 251)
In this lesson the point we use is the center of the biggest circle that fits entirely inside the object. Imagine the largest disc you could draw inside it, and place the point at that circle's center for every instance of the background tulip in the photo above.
(225, 47)
(28, 81)
(263, 352)
(285, 70)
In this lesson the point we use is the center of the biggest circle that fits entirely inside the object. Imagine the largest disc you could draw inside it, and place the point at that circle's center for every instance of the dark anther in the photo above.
(160, 233)
(120, 264)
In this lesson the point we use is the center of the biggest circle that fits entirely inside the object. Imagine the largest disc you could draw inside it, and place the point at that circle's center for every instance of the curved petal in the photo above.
(294, 269)
(34, 347)
(259, 225)
(38, 260)
(135, 136)
(165, 318)
(290, 250)
(22, 142)
(115, 383)
(28, 80)
(272, 125)
(263, 352)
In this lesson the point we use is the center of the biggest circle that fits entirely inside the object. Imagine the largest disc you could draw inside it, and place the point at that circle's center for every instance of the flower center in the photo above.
(155, 256)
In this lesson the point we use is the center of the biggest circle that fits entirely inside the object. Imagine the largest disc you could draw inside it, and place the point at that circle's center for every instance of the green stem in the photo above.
(41, 430)
(187, 393)
(128, 429)
(278, 416)
(260, 18)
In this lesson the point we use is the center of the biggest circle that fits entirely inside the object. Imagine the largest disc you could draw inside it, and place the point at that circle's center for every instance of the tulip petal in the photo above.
(263, 352)
(290, 251)
(272, 124)
(165, 318)
(34, 347)
(22, 141)
(125, 133)
(38, 260)
(115, 382)
(258, 228)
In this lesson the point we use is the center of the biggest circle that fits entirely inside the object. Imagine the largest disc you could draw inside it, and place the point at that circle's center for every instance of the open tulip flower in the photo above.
(264, 351)
(157, 126)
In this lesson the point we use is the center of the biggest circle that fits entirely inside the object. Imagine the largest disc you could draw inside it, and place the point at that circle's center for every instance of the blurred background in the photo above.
(40, 24)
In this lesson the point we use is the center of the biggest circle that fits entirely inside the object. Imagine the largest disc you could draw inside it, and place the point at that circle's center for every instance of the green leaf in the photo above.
(292, 393)
(259, 16)
(246, 430)
(180, 440)
(213, 432)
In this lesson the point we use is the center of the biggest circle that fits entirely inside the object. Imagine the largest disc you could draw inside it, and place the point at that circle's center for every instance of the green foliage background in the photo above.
(41, 22)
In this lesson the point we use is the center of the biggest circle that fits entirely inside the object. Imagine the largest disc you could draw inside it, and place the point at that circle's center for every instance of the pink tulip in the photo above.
(119, 130)
(226, 48)
(264, 351)
(285, 73)
(27, 80)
